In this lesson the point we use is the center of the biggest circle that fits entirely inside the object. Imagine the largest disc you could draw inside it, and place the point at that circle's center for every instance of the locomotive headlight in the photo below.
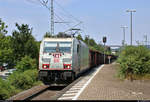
(46, 66)
(67, 66)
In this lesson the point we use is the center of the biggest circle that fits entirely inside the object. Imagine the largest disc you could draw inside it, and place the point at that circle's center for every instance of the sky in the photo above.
(100, 18)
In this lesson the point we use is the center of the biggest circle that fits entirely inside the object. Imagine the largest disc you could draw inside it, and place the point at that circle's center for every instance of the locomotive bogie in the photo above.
(57, 77)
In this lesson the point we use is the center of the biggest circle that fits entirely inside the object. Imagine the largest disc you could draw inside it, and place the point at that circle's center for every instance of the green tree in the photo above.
(48, 35)
(24, 43)
(79, 37)
(92, 42)
(63, 35)
(93, 45)
(6, 49)
(86, 40)
(3, 27)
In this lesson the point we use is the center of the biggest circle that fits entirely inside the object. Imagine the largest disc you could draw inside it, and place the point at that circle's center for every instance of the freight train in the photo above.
(61, 60)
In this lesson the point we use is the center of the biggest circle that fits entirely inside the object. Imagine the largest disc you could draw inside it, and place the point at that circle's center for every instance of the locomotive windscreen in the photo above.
(64, 47)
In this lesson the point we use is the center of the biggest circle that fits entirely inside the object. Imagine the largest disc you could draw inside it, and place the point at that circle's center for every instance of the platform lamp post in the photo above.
(131, 11)
(104, 41)
(124, 28)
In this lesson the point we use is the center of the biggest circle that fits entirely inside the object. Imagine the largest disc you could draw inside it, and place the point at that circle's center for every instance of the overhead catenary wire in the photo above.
(69, 16)
(56, 16)
(63, 21)
(66, 11)
(45, 4)
(73, 26)
(64, 15)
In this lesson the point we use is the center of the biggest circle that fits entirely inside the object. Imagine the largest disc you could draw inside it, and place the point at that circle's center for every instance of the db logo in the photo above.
(56, 60)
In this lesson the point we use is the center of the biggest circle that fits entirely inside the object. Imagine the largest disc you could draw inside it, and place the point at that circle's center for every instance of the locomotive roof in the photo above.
(58, 39)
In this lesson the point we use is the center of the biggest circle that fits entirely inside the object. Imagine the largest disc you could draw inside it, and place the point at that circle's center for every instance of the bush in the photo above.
(24, 80)
(26, 63)
(6, 90)
(134, 60)
(25, 77)
(3, 92)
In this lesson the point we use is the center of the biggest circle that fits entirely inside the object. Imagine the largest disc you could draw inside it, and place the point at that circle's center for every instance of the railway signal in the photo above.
(104, 41)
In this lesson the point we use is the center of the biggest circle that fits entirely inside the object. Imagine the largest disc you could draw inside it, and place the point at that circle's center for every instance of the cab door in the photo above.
(79, 56)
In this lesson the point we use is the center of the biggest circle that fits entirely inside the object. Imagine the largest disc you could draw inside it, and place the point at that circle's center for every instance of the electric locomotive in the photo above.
(61, 60)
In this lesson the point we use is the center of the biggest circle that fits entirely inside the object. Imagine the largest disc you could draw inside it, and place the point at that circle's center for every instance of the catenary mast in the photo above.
(52, 17)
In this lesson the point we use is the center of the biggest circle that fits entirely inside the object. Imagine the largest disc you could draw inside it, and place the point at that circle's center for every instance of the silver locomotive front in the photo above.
(55, 60)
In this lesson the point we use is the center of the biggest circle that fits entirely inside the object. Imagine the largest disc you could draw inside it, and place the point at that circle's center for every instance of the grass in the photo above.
(141, 77)
(37, 83)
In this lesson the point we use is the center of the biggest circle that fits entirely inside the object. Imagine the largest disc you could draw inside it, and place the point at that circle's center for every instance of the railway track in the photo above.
(55, 93)
(25, 95)
(43, 92)
(48, 94)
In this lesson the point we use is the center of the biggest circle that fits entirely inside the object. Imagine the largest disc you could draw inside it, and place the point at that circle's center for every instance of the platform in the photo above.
(107, 86)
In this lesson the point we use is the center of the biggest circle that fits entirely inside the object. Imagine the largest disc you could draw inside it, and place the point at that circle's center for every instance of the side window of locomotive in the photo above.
(78, 48)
